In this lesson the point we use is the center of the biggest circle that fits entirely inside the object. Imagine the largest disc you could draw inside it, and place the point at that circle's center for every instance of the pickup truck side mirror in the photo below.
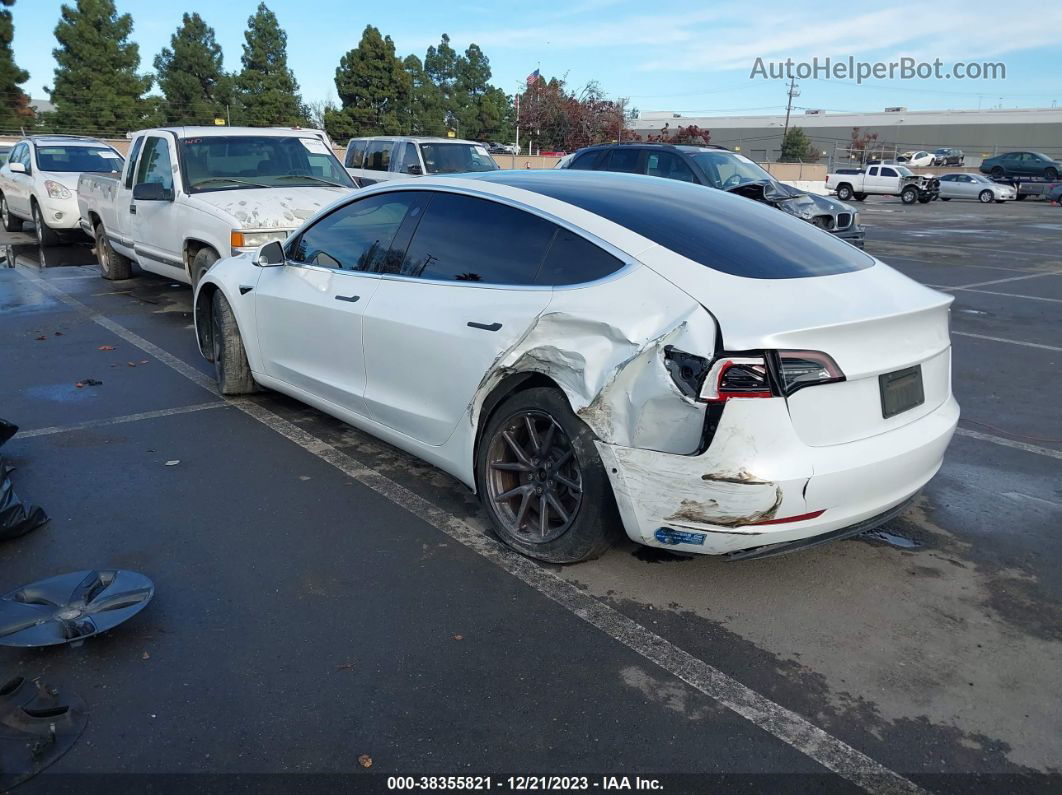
(17, 168)
(269, 255)
(415, 169)
(152, 192)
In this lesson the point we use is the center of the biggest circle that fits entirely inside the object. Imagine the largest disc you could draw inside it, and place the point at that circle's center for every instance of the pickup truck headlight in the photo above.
(241, 239)
(56, 190)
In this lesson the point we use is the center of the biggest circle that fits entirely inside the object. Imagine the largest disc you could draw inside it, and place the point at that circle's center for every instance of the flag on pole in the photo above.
(532, 78)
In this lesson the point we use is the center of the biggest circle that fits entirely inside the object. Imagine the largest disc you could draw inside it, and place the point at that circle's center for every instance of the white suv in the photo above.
(39, 182)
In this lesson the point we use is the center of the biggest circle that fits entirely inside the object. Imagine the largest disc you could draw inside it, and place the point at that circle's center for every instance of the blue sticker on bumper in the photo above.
(665, 535)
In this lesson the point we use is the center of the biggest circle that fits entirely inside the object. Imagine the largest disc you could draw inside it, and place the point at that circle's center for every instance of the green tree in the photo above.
(441, 66)
(97, 88)
(15, 110)
(424, 114)
(267, 90)
(374, 90)
(480, 107)
(796, 146)
(191, 75)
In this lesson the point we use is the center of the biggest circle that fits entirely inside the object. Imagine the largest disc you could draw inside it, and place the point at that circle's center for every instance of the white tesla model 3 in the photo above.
(594, 350)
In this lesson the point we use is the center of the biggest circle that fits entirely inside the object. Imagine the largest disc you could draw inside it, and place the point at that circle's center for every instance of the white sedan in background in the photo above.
(918, 159)
(593, 351)
(974, 186)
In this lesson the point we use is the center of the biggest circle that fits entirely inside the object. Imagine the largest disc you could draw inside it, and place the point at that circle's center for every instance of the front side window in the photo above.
(669, 165)
(409, 158)
(355, 237)
(233, 162)
(588, 160)
(447, 158)
(624, 160)
(729, 170)
(378, 155)
(132, 161)
(99, 159)
(465, 239)
(155, 166)
(888, 172)
(356, 153)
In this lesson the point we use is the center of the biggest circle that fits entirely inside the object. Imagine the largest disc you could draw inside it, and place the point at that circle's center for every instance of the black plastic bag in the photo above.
(7, 430)
(16, 517)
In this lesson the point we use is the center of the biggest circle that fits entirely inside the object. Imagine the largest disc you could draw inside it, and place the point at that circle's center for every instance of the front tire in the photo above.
(46, 236)
(113, 266)
(204, 258)
(542, 482)
(11, 222)
(909, 195)
(231, 369)
(986, 197)
(844, 192)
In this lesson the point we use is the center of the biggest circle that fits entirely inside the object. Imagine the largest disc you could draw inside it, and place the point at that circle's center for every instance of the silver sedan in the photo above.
(974, 186)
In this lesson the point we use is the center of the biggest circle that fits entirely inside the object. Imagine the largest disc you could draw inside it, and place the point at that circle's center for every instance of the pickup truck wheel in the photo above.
(844, 192)
(230, 359)
(46, 236)
(113, 266)
(204, 258)
(986, 196)
(11, 223)
(909, 195)
(542, 481)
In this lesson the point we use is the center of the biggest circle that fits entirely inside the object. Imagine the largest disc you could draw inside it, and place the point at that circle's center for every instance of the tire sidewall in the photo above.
(596, 522)
(201, 263)
(844, 193)
(986, 192)
(909, 196)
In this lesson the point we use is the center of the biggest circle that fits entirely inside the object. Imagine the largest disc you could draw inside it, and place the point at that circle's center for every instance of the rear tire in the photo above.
(46, 236)
(1050, 173)
(11, 223)
(986, 197)
(860, 196)
(909, 195)
(945, 198)
(1021, 196)
(561, 508)
(113, 266)
(997, 172)
(204, 258)
(844, 192)
(231, 369)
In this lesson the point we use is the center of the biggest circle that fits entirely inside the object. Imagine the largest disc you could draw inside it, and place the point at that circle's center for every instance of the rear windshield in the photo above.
(722, 231)
(230, 162)
(443, 158)
(78, 158)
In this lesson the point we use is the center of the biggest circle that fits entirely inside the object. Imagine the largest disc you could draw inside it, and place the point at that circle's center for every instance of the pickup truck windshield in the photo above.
(441, 158)
(78, 158)
(903, 171)
(726, 170)
(230, 162)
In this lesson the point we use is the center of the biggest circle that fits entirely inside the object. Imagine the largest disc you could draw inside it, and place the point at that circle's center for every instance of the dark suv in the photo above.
(718, 167)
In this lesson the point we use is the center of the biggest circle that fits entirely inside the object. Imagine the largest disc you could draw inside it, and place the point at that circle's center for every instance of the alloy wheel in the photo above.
(534, 481)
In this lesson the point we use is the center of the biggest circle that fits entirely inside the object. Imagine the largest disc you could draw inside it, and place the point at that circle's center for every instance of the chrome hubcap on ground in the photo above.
(533, 477)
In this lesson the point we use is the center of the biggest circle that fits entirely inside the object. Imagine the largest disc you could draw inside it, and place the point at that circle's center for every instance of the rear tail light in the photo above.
(798, 369)
(736, 377)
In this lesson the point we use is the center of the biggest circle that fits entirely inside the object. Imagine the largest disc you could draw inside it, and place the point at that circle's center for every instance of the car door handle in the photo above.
(132, 209)
(351, 298)
(484, 326)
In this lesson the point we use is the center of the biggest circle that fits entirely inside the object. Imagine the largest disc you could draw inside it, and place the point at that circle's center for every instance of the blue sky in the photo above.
(693, 58)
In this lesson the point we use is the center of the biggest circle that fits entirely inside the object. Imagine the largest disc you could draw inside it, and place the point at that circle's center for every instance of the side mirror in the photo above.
(152, 192)
(415, 169)
(269, 255)
(17, 168)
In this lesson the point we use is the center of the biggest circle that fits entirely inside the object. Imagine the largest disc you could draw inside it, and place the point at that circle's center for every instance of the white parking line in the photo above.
(1009, 279)
(996, 292)
(787, 726)
(143, 415)
(1004, 442)
(1012, 342)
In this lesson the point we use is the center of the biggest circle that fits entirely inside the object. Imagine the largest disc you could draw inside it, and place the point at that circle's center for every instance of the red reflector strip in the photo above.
(800, 518)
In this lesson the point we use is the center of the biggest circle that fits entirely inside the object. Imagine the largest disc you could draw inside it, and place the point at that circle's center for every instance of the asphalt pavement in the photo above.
(323, 597)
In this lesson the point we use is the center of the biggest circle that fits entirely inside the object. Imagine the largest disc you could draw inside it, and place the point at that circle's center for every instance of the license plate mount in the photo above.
(901, 390)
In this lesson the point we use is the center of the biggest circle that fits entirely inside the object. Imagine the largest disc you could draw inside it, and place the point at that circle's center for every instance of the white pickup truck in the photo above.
(884, 180)
(189, 196)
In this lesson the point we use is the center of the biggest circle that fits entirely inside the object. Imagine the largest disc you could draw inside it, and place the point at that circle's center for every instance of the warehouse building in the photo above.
(979, 133)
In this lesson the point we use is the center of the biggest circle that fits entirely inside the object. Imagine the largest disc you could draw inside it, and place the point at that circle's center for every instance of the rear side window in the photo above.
(624, 159)
(378, 155)
(573, 260)
(588, 160)
(727, 233)
(356, 237)
(465, 239)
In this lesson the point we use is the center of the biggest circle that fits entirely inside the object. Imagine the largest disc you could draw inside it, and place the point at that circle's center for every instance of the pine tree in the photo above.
(425, 112)
(191, 76)
(481, 107)
(97, 88)
(15, 110)
(374, 90)
(441, 66)
(268, 92)
(796, 146)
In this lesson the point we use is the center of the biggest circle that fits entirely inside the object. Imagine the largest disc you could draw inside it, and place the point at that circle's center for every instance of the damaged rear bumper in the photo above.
(757, 475)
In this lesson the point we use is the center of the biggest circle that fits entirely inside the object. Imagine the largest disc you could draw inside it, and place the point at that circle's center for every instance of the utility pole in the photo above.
(794, 91)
